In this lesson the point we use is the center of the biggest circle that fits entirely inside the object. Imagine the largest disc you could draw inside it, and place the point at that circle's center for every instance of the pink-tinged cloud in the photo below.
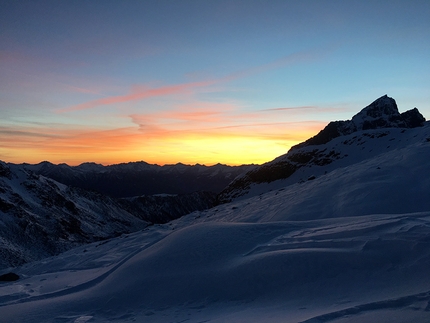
(196, 116)
(203, 112)
(140, 93)
(221, 120)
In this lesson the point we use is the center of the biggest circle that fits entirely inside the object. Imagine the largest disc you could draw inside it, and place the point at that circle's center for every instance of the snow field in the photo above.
(227, 270)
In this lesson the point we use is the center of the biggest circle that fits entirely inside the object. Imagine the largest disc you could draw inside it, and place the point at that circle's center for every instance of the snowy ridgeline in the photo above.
(344, 241)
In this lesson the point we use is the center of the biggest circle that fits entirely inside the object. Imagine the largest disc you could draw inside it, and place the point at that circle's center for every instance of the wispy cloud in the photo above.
(194, 118)
(203, 119)
(307, 109)
(140, 93)
(301, 108)
(288, 60)
(145, 92)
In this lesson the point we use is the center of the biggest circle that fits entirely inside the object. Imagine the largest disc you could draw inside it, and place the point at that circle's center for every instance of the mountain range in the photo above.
(140, 178)
(336, 230)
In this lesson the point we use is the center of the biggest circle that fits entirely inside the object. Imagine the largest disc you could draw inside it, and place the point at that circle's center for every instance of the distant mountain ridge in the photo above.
(140, 178)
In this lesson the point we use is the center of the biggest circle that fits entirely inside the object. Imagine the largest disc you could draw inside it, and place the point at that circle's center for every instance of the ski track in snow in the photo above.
(81, 287)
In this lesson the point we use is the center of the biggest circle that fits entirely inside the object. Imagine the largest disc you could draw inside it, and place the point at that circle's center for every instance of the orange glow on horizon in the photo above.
(158, 146)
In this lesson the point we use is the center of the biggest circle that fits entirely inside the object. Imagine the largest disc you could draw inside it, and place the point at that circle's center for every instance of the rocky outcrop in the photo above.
(9, 277)
(281, 168)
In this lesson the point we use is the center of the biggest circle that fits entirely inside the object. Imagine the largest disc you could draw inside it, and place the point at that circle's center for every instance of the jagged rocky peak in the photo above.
(381, 113)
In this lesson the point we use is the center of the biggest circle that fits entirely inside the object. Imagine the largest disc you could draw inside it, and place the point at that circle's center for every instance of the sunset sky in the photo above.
(199, 81)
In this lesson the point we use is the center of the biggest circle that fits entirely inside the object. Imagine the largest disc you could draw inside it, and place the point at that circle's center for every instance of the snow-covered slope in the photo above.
(40, 217)
(350, 269)
(350, 243)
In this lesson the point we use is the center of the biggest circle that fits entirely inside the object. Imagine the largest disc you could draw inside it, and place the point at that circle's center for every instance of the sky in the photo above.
(232, 82)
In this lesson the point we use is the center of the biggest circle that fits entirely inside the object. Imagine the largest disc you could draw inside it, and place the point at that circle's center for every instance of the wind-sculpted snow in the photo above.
(222, 271)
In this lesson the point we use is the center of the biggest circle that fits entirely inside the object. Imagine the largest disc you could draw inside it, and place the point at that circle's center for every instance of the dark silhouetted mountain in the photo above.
(382, 113)
(140, 178)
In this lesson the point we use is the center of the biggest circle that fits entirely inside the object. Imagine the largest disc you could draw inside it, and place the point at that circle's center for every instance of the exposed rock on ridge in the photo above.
(382, 113)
